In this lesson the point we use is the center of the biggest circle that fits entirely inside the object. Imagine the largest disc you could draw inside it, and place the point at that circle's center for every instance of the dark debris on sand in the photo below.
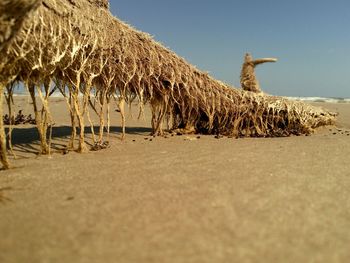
(100, 146)
(20, 118)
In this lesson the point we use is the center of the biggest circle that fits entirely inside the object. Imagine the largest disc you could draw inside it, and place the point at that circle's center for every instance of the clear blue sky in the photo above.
(311, 39)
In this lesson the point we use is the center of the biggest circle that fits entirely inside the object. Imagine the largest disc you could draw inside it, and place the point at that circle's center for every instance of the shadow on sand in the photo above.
(26, 140)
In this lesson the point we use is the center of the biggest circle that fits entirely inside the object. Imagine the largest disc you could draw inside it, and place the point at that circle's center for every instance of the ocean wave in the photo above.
(306, 99)
(53, 95)
(320, 99)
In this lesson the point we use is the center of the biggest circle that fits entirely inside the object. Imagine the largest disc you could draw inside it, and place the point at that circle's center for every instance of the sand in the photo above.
(177, 199)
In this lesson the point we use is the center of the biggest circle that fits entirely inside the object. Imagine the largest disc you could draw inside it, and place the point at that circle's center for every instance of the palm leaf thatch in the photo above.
(80, 49)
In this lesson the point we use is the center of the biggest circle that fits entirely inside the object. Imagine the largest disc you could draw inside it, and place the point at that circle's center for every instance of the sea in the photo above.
(20, 91)
(321, 99)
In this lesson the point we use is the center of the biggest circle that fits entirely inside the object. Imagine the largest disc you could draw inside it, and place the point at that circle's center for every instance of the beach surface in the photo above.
(182, 198)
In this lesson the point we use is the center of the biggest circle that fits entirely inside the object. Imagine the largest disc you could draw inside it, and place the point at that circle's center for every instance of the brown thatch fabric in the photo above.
(12, 15)
(249, 82)
(83, 49)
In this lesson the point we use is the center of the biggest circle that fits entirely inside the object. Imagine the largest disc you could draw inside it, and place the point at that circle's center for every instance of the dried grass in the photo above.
(79, 48)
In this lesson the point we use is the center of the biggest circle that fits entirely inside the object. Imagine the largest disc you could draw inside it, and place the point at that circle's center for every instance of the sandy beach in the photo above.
(183, 198)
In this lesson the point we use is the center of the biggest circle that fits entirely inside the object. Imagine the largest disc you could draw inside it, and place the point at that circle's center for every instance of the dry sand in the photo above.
(178, 199)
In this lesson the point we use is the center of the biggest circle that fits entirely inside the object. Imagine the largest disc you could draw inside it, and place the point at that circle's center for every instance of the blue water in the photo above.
(20, 90)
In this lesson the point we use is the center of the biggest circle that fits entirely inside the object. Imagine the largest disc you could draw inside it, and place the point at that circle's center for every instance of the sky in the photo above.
(310, 38)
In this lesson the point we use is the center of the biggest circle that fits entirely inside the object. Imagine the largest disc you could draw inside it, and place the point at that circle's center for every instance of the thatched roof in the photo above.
(79, 43)
(12, 15)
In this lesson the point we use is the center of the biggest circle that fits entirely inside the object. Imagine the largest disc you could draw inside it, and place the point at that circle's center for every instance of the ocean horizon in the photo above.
(22, 92)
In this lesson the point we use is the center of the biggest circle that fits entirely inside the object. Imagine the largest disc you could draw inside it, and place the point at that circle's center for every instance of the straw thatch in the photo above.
(79, 48)
(12, 16)
(249, 82)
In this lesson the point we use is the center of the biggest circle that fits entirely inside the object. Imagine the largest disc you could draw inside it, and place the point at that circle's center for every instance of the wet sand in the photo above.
(177, 199)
